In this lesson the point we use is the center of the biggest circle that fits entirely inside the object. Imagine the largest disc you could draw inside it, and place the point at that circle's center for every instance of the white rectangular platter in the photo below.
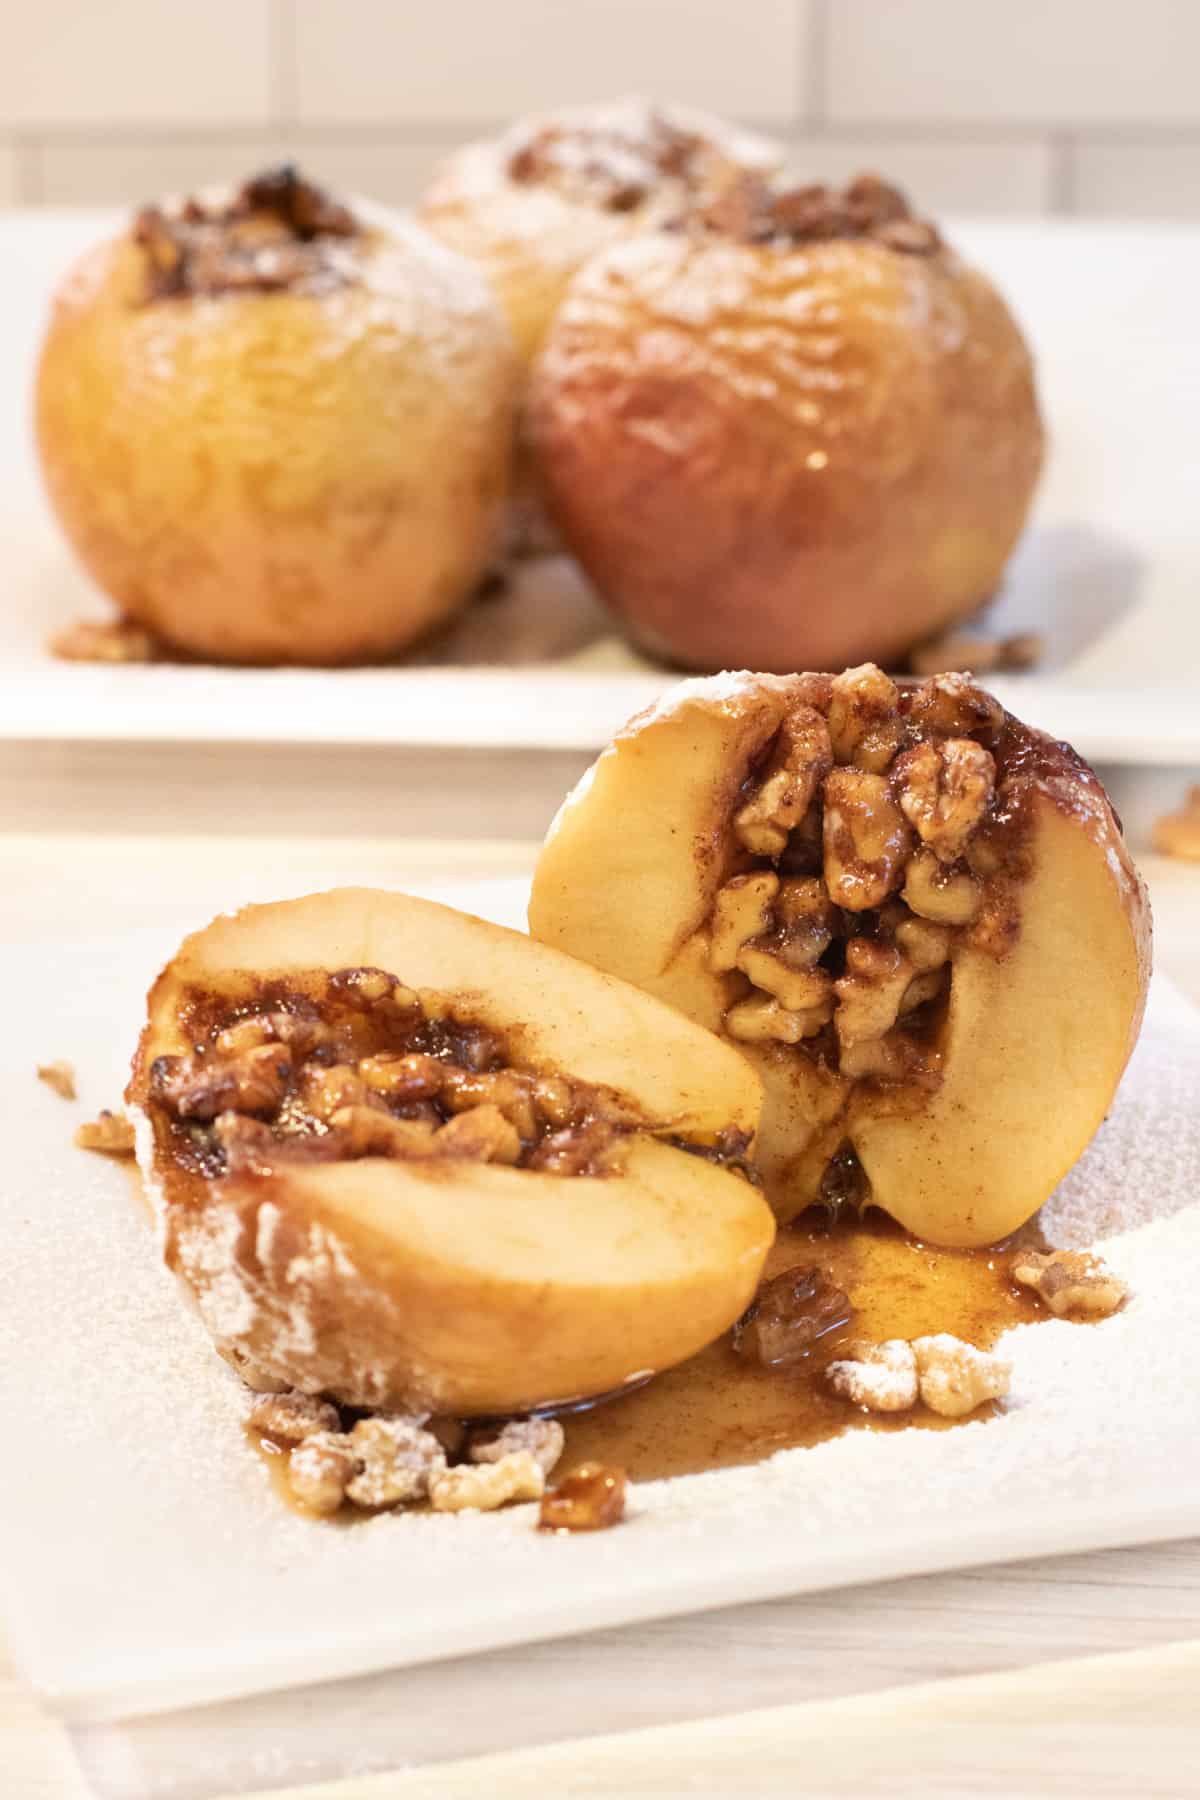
(1109, 569)
(146, 1563)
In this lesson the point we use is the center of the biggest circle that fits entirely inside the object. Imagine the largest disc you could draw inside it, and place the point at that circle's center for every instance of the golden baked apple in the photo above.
(409, 1159)
(274, 432)
(794, 433)
(915, 915)
(532, 205)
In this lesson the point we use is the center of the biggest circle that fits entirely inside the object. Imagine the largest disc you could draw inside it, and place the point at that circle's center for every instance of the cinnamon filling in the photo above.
(751, 210)
(614, 169)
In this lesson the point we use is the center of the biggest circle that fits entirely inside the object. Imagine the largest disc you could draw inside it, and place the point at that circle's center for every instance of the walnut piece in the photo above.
(198, 1087)
(291, 1417)
(801, 759)
(60, 1076)
(482, 1487)
(396, 1460)
(945, 789)
(796, 989)
(1178, 833)
(871, 992)
(111, 1133)
(763, 1018)
(790, 1313)
(543, 1439)
(318, 1470)
(104, 641)
(1073, 1283)
(880, 1377)
(953, 706)
(590, 1498)
(955, 1377)
(946, 896)
(867, 839)
(741, 911)
(865, 727)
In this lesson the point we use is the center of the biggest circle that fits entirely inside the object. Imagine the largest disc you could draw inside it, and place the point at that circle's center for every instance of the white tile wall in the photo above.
(975, 105)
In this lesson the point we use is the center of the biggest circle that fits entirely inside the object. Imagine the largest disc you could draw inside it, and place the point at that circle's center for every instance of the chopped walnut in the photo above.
(801, 759)
(763, 1018)
(945, 789)
(292, 1417)
(806, 922)
(790, 1313)
(482, 1487)
(926, 944)
(1071, 1282)
(369, 988)
(867, 839)
(111, 1133)
(590, 1498)
(871, 992)
(741, 911)
(397, 1460)
(328, 1091)
(319, 1469)
(796, 989)
(880, 1377)
(201, 1087)
(411, 1077)
(543, 1439)
(865, 727)
(104, 641)
(1178, 833)
(946, 896)
(955, 1377)
(482, 1135)
(60, 1077)
(922, 989)
(587, 1149)
(367, 1131)
(511, 1095)
(953, 706)
(894, 1057)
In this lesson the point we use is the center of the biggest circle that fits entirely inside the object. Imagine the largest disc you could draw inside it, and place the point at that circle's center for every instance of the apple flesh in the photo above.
(1042, 986)
(435, 1281)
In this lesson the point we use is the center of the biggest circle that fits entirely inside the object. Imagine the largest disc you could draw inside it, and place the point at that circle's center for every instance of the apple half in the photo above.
(914, 915)
(407, 1158)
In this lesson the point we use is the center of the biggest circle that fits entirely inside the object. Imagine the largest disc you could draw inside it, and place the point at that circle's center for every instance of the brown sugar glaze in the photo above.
(717, 1409)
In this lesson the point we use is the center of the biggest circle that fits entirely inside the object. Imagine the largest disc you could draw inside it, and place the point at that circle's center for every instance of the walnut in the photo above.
(945, 790)
(870, 993)
(542, 1438)
(482, 1135)
(894, 1057)
(763, 1018)
(326, 1091)
(510, 1094)
(482, 1487)
(955, 1377)
(201, 1087)
(590, 1498)
(368, 1131)
(952, 706)
(366, 988)
(926, 945)
(1178, 833)
(413, 1077)
(741, 911)
(1071, 1282)
(60, 1076)
(880, 1377)
(796, 989)
(921, 989)
(946, 896)
(299, 1032)
(867, 839)
(104, 641)
(292, 1417)
(865, 727)
(111, 1133)
(319, 1470)
(553, 1100)
(586, 1149)
(396, 1460)
(801, 759)
(790, 1313)
(806, 922)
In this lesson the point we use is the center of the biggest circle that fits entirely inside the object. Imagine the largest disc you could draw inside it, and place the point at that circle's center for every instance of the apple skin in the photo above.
(1036, 1037)
(467, 1288)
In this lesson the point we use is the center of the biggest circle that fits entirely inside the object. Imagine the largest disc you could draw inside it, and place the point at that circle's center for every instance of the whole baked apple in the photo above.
(795, 432)
(915, 915)
(408, 1159)
(273, 432)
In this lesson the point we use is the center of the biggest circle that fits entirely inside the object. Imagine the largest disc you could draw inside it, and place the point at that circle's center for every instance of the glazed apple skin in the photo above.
(282, 477)
(1036, 1038)
(463, 1287)
(785, 458)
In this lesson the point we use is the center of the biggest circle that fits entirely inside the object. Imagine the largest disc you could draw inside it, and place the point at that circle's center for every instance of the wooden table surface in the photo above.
(1071, 1676)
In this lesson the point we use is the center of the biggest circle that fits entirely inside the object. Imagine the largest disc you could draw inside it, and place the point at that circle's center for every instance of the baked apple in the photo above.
(274, 432)
(407, 1159)
(915, 915)
(794, 433)
(532, 205)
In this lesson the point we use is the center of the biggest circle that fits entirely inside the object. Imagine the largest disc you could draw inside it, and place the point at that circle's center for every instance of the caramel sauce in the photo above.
(718, 1410)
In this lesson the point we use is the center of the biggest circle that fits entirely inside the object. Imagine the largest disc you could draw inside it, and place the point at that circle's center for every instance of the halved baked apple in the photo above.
(406, 1158)
(914, 915)
(276, 431)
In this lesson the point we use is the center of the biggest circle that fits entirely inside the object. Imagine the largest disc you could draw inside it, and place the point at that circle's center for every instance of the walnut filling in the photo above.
(277, 232)
(617, 169)
(357, 1064)
(752, 210)
(873, 835)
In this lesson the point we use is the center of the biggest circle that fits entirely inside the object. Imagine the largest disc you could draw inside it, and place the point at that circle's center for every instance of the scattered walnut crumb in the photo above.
(790, 1313)
(880, 1377)
(591, 1498)
(104, 641)
(543, 1439)
(1178, 833)
(111, 1133)
(981, 656)
(954, 1377)
(319, 1469)
(60, 1076)
(482, 1487)
(1071, 1282)
(397, 1461)
(292, 1417)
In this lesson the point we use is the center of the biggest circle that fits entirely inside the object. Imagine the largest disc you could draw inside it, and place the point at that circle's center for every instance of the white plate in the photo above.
(1109, 569)
(145, 1562)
